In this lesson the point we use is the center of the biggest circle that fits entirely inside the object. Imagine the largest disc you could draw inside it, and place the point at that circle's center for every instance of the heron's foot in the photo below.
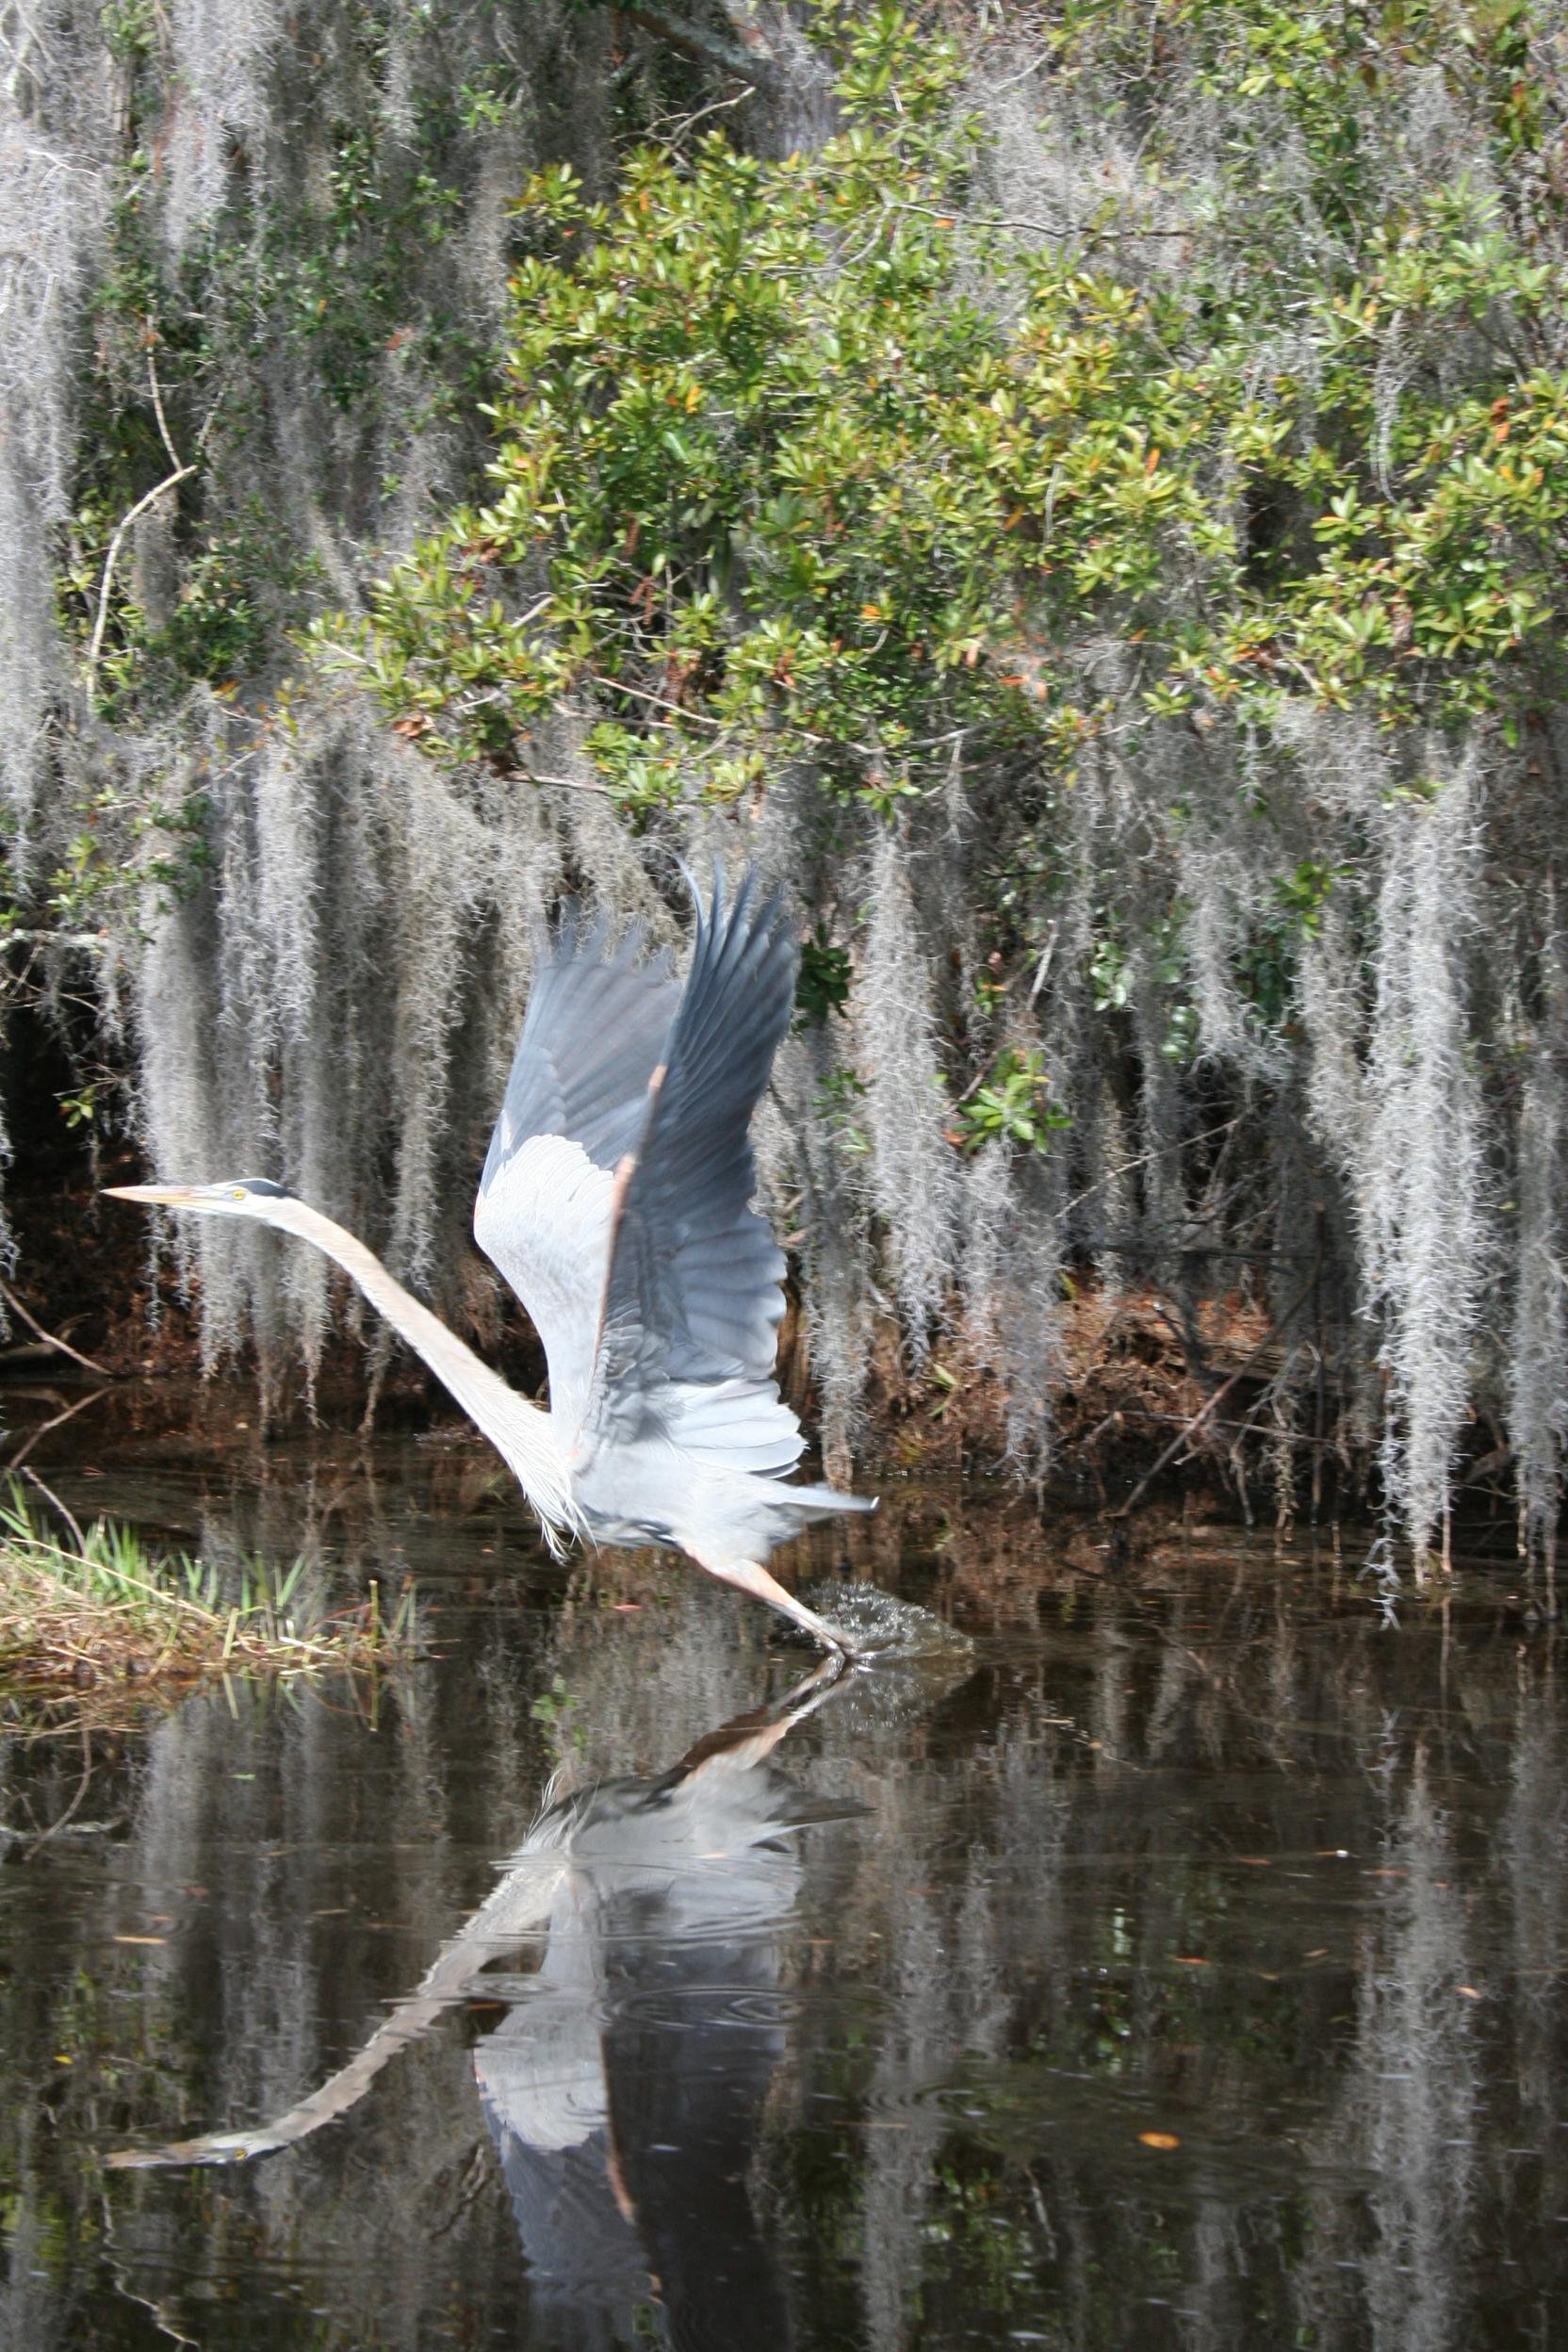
(840, 1648)
(871, 1628)
(803, 1697)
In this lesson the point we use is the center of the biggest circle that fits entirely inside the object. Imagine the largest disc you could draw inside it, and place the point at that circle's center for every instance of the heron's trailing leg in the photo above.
(751, 1577)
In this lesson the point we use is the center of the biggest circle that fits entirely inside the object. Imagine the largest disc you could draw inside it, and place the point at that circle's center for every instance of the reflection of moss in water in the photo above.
(939, 2129)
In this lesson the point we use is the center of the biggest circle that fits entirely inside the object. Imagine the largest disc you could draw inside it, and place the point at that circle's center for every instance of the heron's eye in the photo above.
(238, 1193)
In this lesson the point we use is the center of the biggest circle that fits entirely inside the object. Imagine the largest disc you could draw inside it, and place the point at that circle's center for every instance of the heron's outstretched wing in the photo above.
(693, 1300)
(576, 1105)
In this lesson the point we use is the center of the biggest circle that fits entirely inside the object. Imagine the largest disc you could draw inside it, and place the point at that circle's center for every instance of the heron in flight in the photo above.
(616, 1201)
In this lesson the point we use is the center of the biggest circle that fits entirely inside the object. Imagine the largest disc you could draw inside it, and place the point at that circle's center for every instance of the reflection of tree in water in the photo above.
(987, 1999)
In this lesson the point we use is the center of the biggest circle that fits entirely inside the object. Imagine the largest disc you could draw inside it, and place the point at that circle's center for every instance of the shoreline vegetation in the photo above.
(90, 1609)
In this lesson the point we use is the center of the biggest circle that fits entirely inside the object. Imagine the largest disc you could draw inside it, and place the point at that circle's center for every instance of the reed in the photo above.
(101, 1605)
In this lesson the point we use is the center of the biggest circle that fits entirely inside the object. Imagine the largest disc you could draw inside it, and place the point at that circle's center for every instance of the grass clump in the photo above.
(101, 1607)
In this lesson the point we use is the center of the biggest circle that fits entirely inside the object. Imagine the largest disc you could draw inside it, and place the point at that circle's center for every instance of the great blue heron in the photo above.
(616, 1201)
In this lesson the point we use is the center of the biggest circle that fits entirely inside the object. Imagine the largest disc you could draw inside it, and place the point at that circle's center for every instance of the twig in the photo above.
(175, 458)
(1190, 1429)
(1234, 1429)
(98, 939)
(1035, 228)
(563, 783)
(44, 1427)
(170, 481)
(55, 1827)
(684, 125)
(1204, 1135)
(52, 1499)
(641, 694)
(48, 1337)
(1155, 1240)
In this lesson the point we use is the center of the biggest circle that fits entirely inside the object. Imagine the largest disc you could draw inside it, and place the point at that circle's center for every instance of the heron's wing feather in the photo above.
(543, 1220)
(574, 1106)
(596, 1024)
(694, 1301)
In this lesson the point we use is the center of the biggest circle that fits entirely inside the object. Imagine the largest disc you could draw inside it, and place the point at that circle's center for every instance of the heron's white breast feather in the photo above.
(543, 1221)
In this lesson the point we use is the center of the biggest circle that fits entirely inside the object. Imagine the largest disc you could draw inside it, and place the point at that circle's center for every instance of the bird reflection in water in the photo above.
(623, 2087)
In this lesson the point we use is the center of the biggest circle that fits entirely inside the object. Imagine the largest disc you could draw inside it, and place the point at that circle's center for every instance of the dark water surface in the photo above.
(1185, 1966)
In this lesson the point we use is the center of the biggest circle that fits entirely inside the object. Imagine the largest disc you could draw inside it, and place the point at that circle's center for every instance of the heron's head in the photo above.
(255, 1196)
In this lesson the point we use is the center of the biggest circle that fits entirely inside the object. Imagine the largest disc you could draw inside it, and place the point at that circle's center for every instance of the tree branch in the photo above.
(170, 481)
(48, 1337)
(698, 41)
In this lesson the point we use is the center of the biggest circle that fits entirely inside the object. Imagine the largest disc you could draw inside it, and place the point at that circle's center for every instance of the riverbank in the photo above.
(1244, 1419)
(1255, 1409)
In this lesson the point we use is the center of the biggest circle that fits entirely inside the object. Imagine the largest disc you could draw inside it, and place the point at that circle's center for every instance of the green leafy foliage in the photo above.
(772, 483)
(742, 513)
(557, 1711)
(1014, 1106)
(837, 1105)
(822, 986)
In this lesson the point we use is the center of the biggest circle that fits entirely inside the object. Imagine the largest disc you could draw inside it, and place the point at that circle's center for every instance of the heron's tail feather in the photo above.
(820, 1502)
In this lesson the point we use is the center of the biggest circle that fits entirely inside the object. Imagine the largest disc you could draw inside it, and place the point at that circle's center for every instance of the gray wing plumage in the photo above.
(693, 1298)
(576, 1105)
(596, 1024)
(616, 1196)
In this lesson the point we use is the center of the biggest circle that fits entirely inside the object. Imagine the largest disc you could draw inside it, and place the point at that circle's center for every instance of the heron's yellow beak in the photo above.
(162, 1196)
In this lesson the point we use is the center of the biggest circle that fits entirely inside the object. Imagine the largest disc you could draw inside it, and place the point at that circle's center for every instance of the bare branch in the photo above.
(157, 410)
(170, 481)
(48, 1337)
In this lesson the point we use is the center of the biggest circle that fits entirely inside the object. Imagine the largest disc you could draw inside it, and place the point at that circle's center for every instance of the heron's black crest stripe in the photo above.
(266, 1187)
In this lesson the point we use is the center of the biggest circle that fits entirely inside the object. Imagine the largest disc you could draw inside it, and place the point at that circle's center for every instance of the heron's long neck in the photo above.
(521, 1434)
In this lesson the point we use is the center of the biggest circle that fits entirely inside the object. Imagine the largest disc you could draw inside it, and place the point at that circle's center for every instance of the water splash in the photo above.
(874, 1622)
